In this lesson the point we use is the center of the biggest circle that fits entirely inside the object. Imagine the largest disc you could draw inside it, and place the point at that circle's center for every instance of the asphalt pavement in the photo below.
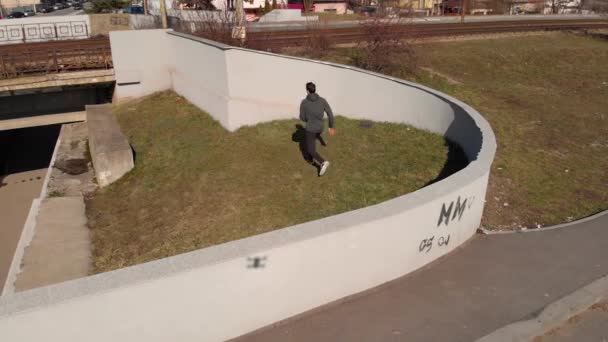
(490, 282)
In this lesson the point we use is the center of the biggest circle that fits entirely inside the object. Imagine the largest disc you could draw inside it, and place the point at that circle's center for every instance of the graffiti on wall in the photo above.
(449, 212)
(454, 210)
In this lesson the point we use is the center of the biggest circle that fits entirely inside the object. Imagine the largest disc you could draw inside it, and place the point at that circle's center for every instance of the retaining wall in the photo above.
(227, 290)
(105, 23)
(37, 29)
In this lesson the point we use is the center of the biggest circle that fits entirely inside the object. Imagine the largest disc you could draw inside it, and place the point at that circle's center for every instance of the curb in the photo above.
(553, 316)
(533, 230)
(29, 227)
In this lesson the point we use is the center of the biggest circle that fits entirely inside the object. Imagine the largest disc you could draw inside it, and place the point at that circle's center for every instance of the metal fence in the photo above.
(54, 57)
(37, 32)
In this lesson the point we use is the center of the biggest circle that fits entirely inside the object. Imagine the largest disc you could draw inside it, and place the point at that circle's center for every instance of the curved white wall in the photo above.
(215, 293)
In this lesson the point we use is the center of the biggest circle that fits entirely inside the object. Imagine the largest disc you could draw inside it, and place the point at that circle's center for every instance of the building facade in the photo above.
(9, 5)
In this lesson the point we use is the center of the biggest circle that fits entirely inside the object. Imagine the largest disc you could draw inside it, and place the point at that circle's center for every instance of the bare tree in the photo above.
(318, 43)
(596, 6)
(386, 43)
(308, 5)
(213, 25)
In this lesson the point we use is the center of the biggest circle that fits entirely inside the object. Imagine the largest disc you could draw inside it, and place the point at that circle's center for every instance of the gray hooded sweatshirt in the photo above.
(312, 110)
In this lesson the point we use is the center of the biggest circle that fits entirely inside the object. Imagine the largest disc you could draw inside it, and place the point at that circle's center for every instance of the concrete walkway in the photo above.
(60, 249)
(490, 282)
(17, 191)
(592, 325)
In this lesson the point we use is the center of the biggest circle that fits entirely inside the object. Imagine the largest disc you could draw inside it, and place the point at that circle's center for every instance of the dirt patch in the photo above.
(446, 77)
(72, 173)
(572, 321)
(73, 166)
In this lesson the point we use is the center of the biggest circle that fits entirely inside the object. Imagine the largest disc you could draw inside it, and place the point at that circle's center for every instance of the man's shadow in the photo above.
(299, 136)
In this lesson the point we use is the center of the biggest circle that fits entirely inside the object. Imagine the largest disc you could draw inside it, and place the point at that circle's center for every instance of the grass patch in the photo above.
(546, 98)
(55, 193)
(195, 184)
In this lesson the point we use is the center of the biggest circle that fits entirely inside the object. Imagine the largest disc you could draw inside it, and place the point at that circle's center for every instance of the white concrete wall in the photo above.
(144, 22)
(199, 74)
(36, 29)
(143, 62)
(196, 16)
(266, 87)
(339, 7)
(155, 4)
(255, 4)
(214, 294)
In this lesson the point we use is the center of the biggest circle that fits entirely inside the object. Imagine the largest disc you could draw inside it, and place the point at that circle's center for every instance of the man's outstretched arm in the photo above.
(330, 116)
(302, 112)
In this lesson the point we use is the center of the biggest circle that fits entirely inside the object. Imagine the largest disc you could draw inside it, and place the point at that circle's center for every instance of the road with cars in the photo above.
(65, 11)
(29, 12)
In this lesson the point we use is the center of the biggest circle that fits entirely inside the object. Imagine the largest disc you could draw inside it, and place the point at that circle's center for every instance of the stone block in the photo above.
(110, 150)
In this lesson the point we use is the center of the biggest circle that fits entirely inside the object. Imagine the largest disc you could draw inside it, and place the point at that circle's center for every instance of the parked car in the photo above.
(77, 5)
(16, 15)
(29, 13)
(60, 6)
(46, 9)
(369, 10)
(133, 9)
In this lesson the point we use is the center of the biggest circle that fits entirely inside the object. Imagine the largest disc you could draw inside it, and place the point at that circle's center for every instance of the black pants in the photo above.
(311, 147)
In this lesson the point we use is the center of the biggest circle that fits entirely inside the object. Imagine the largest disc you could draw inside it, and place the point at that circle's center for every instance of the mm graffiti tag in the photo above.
(455, 209)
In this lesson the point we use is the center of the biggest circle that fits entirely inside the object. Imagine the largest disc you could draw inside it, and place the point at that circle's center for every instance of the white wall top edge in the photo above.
(489, 141)
(243, 248)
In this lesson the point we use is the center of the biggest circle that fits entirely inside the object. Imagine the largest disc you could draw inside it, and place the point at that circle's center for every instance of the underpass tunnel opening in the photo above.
(27, 149)
(31, 148)
(53, 100)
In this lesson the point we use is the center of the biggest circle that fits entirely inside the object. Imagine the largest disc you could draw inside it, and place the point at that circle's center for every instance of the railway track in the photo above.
(54, 57)
(83, 54)
(277, 39)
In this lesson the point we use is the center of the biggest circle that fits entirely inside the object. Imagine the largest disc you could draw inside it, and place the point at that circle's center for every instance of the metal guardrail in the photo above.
(54, 57)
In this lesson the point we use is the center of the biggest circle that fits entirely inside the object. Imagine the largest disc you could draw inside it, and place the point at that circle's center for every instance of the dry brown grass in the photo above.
(546, 98)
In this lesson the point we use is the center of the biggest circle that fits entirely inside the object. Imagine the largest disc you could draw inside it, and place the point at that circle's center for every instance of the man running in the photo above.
(312, 110)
